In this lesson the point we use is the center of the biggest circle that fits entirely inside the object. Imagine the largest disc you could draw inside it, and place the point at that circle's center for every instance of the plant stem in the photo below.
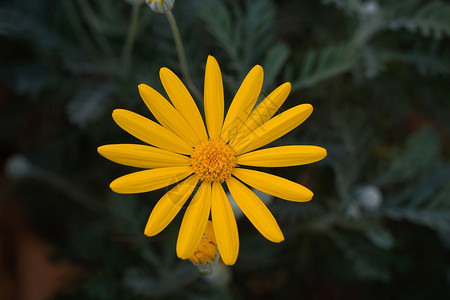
(182, 57)
(130, 39)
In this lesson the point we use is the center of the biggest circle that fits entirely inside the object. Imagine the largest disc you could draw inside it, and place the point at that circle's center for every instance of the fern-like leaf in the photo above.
(246, 35)
(366, 261)
(430, 19)
(426, 203)
(274, 61)
(320, 65)
(219, 22)
(429, 62)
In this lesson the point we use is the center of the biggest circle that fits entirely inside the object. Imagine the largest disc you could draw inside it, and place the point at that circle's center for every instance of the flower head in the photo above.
(183, 150)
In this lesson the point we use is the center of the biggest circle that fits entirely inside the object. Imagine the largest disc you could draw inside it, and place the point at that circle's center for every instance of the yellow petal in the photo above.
(194, 222)
(183, 102)
(283, 156)
(150, 132)
(167, 115)
(274, 128)
(149, 180)
(255, 210)
(169, 205)
(263, 112)
(274, 185)
(224, 223)
(213, 97)
(142, 156)
(243, 103)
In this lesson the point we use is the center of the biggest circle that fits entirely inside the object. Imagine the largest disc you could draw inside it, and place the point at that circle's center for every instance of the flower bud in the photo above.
(17, 167)
(369, 197)
(160, 6)
(206, 255)
(206, 251)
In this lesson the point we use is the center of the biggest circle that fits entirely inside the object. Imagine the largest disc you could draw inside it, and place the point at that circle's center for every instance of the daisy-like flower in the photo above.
(186, 152)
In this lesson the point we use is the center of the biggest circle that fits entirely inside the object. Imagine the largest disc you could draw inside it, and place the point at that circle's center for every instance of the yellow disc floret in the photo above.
(213, 160)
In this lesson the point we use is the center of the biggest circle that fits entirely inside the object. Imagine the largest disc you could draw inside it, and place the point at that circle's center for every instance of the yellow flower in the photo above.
(184, 150)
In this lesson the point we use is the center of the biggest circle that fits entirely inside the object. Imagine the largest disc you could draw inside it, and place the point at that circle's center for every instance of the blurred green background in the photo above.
(377, 74)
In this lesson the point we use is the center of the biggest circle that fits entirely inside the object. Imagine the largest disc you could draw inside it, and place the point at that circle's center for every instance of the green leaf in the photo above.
(218, 20)
(245, 34)
(381, 237)
(273, 63)
(414, 159)
(326, 63)
(366, 261)
(427, 202)
(430, 61)
(430, 18)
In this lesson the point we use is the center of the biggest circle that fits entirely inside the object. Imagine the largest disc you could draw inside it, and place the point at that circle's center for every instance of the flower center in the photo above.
(213, 160)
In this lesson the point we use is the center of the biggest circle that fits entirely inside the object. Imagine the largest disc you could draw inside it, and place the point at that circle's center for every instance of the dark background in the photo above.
(377, 74)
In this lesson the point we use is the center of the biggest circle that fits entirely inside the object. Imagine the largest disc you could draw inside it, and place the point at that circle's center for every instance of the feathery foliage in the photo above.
(321, 65)
(376, 72)
(429, 18)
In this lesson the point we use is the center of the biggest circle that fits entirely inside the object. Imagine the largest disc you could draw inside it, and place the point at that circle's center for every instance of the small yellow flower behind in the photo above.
(206, 252)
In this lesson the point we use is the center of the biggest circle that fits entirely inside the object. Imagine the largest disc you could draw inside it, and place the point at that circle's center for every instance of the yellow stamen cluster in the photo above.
(213, 160)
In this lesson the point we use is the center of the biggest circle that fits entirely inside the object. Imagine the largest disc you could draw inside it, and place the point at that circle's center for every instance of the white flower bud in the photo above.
(370, 8)
(160, 6)
(369, 197)
(17, 166)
